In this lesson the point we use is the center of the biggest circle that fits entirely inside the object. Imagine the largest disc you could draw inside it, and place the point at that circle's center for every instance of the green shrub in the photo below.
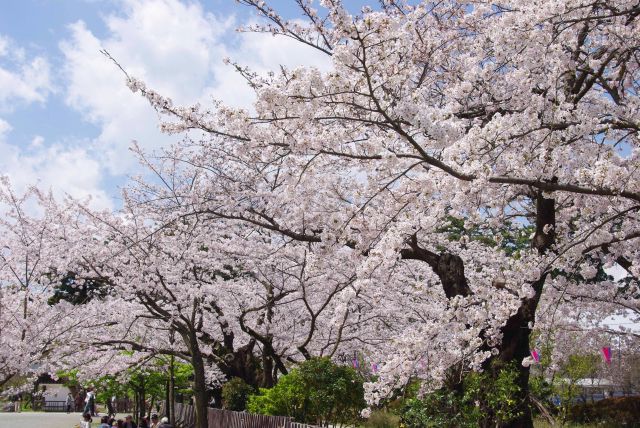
(235, 394)
(316, 392)
(620, 411)
(442, 408)
(484, 398)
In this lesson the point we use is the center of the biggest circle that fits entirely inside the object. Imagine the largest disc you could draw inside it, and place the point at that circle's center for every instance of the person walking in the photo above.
(111, 410)
(93, 403)
(70, 402)
(18, 404)
(78, 402)
(90, 403)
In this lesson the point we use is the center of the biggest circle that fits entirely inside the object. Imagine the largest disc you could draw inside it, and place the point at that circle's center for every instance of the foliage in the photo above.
(318, 391)
(151, 380)
(576, 367)
(621, 411)
(78, 291)
(540, 389)
(510, 237)
(382, 419)
(484, 398)
(235, 394)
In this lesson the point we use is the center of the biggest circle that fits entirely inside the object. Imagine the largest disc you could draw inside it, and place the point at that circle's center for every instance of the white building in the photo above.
(55, 396)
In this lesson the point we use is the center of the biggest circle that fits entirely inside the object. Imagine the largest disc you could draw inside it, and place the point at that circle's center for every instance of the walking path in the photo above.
(41, 420)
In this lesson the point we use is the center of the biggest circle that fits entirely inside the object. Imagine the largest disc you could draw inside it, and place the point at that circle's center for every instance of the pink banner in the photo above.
(606, 352)
(535, 355)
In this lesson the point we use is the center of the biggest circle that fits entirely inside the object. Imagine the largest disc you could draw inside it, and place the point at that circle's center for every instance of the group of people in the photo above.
(83, 401)
(109, 421)
(87, 402)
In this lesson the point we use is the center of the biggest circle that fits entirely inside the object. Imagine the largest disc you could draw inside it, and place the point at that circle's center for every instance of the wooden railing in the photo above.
(218, 418)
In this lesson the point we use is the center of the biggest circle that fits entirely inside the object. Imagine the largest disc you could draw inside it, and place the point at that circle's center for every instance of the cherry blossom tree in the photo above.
(30, 328)
(462, 173)
(507, 117)
(183, 288)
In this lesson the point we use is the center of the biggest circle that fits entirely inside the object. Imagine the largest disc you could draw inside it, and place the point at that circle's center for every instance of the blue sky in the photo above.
(66, 116)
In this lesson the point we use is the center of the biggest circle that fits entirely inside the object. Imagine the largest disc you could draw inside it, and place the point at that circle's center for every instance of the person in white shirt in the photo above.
(90, 403)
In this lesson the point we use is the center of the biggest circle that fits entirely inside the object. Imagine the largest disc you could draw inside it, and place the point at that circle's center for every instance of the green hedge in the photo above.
(621, 411)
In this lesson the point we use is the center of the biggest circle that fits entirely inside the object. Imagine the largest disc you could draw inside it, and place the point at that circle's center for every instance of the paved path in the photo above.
(41, 420)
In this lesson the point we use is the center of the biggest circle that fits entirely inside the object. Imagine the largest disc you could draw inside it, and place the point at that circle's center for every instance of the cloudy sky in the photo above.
(66, 115)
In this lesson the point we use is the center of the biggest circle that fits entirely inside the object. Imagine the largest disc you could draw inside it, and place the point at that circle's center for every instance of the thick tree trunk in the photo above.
(141, 397)
(515, 348)
(267, 380)
(136, 402)
(450, 270)
(516, 332)
(199, 383)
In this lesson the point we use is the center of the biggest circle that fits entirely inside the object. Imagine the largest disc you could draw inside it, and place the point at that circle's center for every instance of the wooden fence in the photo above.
(218, 418)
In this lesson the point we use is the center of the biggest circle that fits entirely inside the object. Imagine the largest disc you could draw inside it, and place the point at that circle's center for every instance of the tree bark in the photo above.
(199, 382)
(141, 404)
(171, 391)
(514, 348)
(516, 331)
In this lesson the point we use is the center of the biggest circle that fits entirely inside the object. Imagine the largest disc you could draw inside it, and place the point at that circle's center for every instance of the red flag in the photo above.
(535, 355)
(606, 351)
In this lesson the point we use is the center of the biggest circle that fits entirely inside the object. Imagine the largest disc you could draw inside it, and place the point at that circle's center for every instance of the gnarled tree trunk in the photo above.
(516, 331)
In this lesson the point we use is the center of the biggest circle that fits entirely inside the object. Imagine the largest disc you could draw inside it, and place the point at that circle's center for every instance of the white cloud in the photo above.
(62, 168)
(261, 53)
(177, 48)
(65, 170)
(168, 44)
(22, 79)
(5, 128)
(4, 45)
(37, 142)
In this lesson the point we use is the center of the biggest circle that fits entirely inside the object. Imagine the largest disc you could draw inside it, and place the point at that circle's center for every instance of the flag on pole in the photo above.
(606, 352)
(535, 355)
